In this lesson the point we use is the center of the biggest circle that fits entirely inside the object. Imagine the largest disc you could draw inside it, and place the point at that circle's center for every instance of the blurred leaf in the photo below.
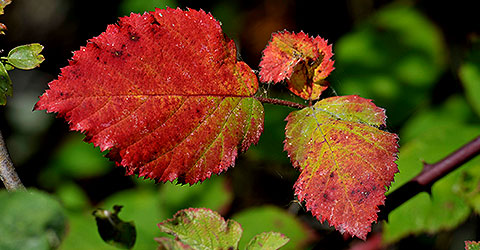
(78, 159)
(202, 228)
(82, 233)
(213, 193)
(454, 111)
(393, 58)
(140, 6)
(4, 3)
(72, 196)
(5, 85)
(113, 230)
(26, 56)
(30, 220)
(2, 29)
(269, 218)
(267, 241)
(142, 206)
(470, 77)
(446, 208)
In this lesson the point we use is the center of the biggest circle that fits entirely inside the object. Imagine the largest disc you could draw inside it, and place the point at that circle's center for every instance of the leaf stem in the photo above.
(429, 175)
(8, 175)
(281, 102)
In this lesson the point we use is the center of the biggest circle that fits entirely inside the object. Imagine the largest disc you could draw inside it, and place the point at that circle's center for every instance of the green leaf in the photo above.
(113, 230)
(472, 245)
(30, 220)
(254, 221)
(202, 228)
(171, 244)
(267, 241)
(470, 76)
(26, 56)
(5, 85)
(446, 208)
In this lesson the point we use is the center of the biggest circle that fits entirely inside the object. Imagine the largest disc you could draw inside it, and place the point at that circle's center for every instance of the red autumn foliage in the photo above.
(164, 92)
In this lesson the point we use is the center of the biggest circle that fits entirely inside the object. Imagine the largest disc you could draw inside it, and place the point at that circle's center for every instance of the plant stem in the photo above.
(7, 171)
(429, 175)
(281, 102)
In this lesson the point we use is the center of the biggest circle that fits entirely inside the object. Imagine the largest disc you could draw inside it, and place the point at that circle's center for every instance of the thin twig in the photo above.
(8, 175)
(429, 175)
(281, 102)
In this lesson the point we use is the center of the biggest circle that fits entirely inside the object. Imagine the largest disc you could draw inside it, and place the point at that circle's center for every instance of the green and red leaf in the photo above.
(472, 245)
(201, 228)
(164, 92)
(302, 61)
(346, 161)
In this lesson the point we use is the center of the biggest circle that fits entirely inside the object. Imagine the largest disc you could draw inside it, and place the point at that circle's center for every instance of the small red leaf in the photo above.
(164, 92)
(346, 161)
(303, 61)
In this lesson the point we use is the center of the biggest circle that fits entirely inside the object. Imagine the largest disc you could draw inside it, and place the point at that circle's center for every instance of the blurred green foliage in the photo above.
(270, 218)
(432, 136)
(30, 220)
(140, 6)
(395, 57)
(470, 75)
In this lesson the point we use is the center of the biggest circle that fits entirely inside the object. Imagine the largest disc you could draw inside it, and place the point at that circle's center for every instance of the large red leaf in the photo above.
(164, 92)
(302, 61)
(346, 161)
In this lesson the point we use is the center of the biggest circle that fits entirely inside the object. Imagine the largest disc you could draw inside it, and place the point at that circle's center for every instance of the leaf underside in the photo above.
(164, 92)
(346, 161)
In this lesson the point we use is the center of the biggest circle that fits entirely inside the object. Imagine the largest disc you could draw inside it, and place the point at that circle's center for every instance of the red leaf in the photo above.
(164, 92)
(346, 161)
(303, 61)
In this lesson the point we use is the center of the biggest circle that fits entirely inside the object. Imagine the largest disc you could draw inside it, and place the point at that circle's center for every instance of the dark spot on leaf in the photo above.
(98, 58)
(374, 187)
(95, 45)
(133, 36)
(231, 248)
(332, 174)
(118, 53)
(325, 196)
(154, 22)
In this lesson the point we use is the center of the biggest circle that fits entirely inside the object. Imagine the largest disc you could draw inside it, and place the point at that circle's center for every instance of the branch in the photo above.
(7, 172)
(281, 102)
(429, 175)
